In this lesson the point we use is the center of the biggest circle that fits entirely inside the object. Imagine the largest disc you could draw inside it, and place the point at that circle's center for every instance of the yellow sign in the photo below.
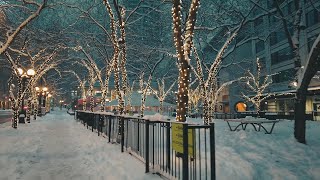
(177, 138)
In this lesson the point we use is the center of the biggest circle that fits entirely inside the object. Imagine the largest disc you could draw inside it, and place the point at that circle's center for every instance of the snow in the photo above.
(58, 147)
(255, 155)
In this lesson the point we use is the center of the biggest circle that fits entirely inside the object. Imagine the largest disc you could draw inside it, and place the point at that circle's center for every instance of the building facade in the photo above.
(268, 42)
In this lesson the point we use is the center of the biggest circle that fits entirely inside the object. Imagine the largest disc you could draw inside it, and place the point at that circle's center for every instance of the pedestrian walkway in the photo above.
(57, 147)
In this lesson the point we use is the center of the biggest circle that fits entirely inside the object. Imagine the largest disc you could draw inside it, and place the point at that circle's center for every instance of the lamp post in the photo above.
(61, 101)
(44, 96)
(49, 102)
(24, 76)
(36, 108)
(42, 92)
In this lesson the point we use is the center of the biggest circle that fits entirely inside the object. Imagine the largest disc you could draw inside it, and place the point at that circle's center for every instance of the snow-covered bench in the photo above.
(244, 122)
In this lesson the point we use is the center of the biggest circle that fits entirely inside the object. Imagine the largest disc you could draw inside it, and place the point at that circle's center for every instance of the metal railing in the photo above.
(151, 142)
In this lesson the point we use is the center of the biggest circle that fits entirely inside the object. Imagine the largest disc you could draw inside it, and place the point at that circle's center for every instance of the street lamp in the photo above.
(61, 101)
(42, 92)
(24, 76)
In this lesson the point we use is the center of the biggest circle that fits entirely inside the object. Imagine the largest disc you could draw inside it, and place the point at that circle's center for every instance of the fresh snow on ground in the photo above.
(56, 147)
(255, 155)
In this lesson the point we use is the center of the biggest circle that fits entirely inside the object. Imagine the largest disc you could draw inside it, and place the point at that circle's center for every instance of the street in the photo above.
(5, 116)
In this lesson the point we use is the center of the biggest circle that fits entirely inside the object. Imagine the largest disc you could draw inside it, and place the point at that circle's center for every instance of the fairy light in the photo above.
(28, 110)
(142, 89)
(123, 51)
(162, 93)
(254, 84)
(183, 52)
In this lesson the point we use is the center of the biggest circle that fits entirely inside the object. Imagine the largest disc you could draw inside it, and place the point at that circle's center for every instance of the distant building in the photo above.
(275, 56)
(152, 104)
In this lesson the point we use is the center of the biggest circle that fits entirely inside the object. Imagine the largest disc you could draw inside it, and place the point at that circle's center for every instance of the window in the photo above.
(279, 36)
(263, 63)
(313, 17)
(291, 7)
(259, 46)
(272, 19)
(283, 76)
(258, 21)
(282, 55)
(273, 38)
(271, 4)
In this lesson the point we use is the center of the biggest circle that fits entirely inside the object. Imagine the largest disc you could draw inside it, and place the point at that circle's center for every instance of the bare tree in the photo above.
(13, 32)
(82, 83)
(162, 93)
(183, 43)
(43, 68)
(258, 86)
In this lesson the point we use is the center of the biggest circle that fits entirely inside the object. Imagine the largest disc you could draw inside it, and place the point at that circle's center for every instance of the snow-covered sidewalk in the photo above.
(57, 147)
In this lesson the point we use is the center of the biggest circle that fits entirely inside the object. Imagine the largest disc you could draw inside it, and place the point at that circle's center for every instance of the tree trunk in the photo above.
(35, 108)
(103, 100)
(84, 107)
(182, 108)
(91, 100)
(15, 117)
(205, 111)
(300, 116)
(161, 107)
(28, 110)
(143, 102)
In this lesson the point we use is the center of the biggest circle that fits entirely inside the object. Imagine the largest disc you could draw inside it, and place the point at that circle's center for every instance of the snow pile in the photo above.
(57, 147)
(157, 117)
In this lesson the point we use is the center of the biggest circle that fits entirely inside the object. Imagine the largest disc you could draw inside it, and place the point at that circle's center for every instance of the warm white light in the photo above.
(31, 72)
(20, 71)
(37, 88)
(45, 89)
(49, 95)
(295, 84)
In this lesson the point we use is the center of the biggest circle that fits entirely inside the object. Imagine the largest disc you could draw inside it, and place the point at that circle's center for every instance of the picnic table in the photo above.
(243, 123)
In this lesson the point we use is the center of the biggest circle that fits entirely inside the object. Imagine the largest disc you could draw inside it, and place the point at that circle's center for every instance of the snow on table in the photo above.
(57, 147)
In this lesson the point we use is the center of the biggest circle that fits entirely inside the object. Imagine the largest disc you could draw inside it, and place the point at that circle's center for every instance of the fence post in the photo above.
(109, 128)
(98, 124)
(122, 133)
(212, 152)
(87, 120)
(93, 121)
(168, 144)
(185, 168)
(138, 136)
(147, 146)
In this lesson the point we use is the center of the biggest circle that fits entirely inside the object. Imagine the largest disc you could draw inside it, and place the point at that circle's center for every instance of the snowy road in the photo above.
(5, 116)
(56, 147)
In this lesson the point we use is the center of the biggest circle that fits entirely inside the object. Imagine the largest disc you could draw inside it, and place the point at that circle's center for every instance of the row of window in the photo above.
(281, 56)
(283, 76)
(313, 17)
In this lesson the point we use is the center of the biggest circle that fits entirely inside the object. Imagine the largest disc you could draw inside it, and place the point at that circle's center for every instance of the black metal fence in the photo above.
(155, 143)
